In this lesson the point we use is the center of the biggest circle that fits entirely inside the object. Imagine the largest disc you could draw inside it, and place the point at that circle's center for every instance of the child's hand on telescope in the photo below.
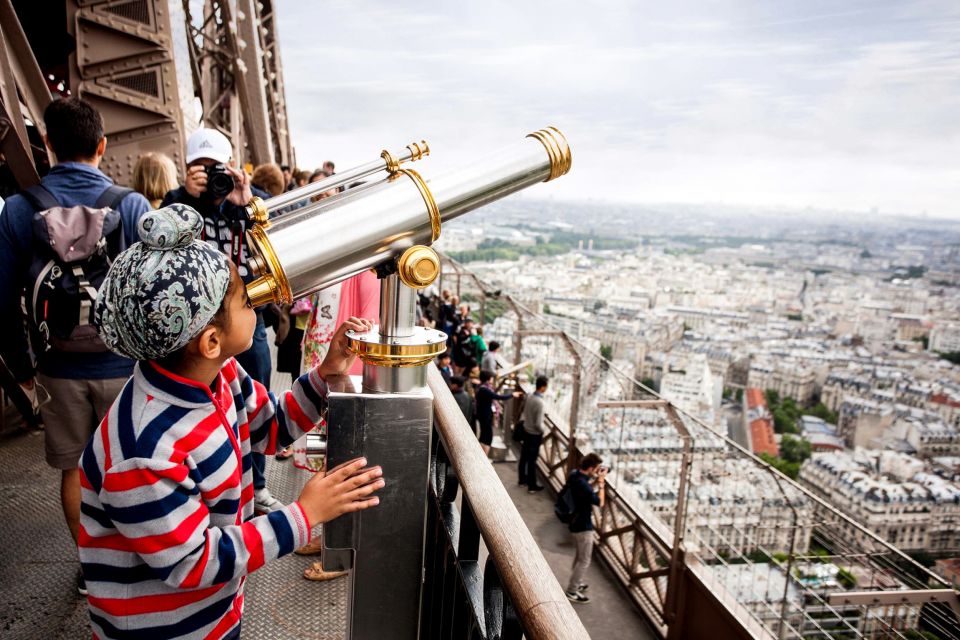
(345, 489)
(339, 357)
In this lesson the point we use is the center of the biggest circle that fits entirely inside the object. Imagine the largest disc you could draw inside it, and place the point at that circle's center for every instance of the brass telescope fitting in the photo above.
(272, 285)
(418, 150)
(415, 351)
(418, 267)
(557, 149)
(428, 200)
(258, 211)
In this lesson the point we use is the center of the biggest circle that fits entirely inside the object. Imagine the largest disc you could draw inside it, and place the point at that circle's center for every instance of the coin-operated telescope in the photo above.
(387, 224)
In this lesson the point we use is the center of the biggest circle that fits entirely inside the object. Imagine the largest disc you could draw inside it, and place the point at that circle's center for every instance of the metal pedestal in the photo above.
(383, 546)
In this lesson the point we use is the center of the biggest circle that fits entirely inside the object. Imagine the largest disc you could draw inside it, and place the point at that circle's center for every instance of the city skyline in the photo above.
(739, 103)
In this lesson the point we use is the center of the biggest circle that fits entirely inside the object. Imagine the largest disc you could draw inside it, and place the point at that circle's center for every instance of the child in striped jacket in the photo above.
(168, 532)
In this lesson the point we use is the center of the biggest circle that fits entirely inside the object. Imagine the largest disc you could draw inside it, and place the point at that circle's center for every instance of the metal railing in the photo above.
(516, 594)
(686, 503)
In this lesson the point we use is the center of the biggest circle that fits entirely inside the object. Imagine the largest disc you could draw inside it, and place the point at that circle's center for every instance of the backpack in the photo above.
(462, 349)
(565, 508)
(73, 248)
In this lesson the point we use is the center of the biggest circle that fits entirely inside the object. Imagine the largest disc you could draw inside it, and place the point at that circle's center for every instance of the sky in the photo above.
(850, 105)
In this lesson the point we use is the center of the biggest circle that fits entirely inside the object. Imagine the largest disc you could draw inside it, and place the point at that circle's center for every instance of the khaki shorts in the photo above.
(73, 413)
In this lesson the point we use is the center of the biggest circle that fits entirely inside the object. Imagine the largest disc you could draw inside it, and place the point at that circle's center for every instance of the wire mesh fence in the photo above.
(764, 543)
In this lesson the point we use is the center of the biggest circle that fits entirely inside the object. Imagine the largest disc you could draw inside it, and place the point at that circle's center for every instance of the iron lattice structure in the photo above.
(155, 69)
(237, 72)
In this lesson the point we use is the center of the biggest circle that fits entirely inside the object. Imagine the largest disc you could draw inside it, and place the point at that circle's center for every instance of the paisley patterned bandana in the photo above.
(164, 290)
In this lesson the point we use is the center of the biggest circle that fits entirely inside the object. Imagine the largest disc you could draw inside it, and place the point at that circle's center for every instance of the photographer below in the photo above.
(219, 192)
(585, 498)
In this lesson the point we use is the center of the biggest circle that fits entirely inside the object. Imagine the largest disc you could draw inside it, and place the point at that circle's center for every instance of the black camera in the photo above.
(219, 181)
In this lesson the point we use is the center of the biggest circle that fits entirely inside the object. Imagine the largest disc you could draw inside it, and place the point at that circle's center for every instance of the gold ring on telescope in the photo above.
(418, 150)
(258, 211)
(557, 149)
(432, 207)
(274, 282)
(393, 165)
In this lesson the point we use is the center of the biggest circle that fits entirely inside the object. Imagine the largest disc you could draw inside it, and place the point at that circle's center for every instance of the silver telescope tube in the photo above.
(260, 210)
(329, 241)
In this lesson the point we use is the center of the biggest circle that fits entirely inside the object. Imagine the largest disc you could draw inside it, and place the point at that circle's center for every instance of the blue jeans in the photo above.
(256, 362)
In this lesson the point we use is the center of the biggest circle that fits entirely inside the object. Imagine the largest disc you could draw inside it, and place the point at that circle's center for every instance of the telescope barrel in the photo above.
(331, 240)
(387, 162)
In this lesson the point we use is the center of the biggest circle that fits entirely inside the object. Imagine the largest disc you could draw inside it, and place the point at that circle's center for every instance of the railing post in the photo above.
(672, 602)
(574, 402)
(518, 336)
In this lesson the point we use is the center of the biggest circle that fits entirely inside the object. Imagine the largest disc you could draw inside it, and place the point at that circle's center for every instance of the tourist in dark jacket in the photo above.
(585, 498)
(464, 401)
(486, 396)
(225, 226)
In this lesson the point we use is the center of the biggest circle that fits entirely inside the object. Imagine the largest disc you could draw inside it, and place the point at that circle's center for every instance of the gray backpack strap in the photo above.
(112, 196)
(40, 198)
(88, 300)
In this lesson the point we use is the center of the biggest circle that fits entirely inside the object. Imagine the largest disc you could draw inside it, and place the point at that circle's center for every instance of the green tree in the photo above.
(606, 351)
(821, 411)
(773, 398)
(783, 422)
(789, 469)
(794, 449)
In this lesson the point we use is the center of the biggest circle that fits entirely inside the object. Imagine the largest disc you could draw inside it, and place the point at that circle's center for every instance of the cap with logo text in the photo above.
(208, 143)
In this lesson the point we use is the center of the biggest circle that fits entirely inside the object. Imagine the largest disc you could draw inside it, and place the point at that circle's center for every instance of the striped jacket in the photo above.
(167, 529)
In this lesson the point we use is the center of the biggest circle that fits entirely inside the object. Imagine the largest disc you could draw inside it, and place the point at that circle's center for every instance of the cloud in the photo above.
(789, 103)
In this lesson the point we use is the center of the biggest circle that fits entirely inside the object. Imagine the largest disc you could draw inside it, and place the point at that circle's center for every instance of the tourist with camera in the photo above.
(219, 191)
(578, 498)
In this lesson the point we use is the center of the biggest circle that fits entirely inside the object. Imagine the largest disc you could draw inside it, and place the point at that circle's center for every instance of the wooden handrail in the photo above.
(537, 597)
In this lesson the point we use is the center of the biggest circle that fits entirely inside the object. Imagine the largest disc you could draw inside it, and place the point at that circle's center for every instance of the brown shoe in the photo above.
(316, 573)
(312, 548)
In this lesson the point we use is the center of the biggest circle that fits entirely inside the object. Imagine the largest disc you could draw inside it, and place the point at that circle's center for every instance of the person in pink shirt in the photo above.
(357, 295)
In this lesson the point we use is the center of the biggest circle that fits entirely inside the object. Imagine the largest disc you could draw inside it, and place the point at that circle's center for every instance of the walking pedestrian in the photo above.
(464, 401)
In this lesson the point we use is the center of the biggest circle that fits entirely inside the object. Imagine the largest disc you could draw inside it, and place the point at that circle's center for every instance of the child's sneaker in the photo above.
(577, 597)
(582, 587)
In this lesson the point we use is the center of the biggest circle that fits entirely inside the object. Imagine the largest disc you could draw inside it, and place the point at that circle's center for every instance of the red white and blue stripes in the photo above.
(167, 529)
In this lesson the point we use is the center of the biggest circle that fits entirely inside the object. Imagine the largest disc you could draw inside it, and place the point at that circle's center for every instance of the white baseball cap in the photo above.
(208, 143)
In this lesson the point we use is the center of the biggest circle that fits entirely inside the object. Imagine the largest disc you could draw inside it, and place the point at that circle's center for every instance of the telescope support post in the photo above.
(390, 423)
